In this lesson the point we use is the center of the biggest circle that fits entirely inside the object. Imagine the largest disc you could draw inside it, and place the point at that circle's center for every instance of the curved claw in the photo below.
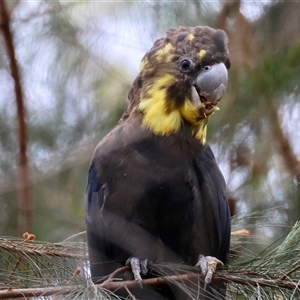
(138, 268)
(208, 266)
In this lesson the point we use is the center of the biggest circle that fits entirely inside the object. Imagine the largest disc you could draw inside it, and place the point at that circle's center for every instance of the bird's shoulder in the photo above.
(124, 134)
(130, 138)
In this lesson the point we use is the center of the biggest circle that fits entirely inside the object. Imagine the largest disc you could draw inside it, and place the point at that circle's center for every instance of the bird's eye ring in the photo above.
(206, 68)
(186, 65)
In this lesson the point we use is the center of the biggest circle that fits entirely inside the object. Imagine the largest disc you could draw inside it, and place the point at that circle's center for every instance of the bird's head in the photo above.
(182, 79)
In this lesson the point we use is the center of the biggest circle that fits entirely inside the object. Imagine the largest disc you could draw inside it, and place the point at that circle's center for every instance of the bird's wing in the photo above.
(112, 236)
(213, 201)
(101, 265)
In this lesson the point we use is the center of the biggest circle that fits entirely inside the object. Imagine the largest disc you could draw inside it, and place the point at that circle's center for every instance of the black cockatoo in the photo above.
(154, 190)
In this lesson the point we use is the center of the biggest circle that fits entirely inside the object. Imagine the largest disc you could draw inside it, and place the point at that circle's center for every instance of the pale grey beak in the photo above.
(211, 83)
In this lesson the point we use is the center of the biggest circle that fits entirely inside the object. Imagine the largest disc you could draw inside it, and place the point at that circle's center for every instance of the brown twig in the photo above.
(24, 190)
(286, 151)
(117, 271)
(112, 286)
(275, 282)
(284, 147)
(224, 277)
(29, 248)
(290, 272)
(129, 293)
(227, 9)
(36, 292)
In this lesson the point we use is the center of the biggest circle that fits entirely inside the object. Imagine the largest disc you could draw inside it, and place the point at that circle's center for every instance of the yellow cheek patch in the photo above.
(201, 53)
(189, 112)
(156, 92)
(161, 53)
(162, 118)
(160, 83)
(146, 105)
(153, 105)
(159, 121)
(200, 130)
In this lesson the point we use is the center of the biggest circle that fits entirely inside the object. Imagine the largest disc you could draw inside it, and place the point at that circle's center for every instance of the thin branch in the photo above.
(115, 273)
(287, 153)
(112, 286)
(37, 292)
(228, 9)
(24, 190)
(290, 272)
(275, 282)
(30, 248)
(264, 272)
(284, 147)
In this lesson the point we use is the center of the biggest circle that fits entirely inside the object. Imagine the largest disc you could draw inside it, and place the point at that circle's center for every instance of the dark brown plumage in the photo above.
(155, 191)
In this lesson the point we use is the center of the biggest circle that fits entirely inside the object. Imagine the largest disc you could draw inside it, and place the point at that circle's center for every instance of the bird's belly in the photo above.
(165, 210)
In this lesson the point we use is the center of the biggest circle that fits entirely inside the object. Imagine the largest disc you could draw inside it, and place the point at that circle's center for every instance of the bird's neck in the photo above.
(163, 117)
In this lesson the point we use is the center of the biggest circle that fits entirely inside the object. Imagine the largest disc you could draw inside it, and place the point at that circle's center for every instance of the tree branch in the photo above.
(226, 277)
(284, 147)
(24, 190)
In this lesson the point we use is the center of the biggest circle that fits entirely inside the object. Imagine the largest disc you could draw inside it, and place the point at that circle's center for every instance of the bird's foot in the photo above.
(208, 266)
(138, 268)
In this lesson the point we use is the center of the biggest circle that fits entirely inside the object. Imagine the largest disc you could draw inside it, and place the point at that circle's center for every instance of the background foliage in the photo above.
(77, 61)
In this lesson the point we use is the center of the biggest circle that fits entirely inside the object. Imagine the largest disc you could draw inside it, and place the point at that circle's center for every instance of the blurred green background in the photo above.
(77, 61)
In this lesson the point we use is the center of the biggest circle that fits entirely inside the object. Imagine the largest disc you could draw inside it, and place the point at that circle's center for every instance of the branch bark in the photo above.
(286, 151)
(112, 286)
(284, 147)
(24, 189)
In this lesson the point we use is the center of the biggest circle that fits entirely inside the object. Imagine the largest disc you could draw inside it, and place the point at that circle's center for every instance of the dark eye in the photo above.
(206, 68)
(186, 65)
